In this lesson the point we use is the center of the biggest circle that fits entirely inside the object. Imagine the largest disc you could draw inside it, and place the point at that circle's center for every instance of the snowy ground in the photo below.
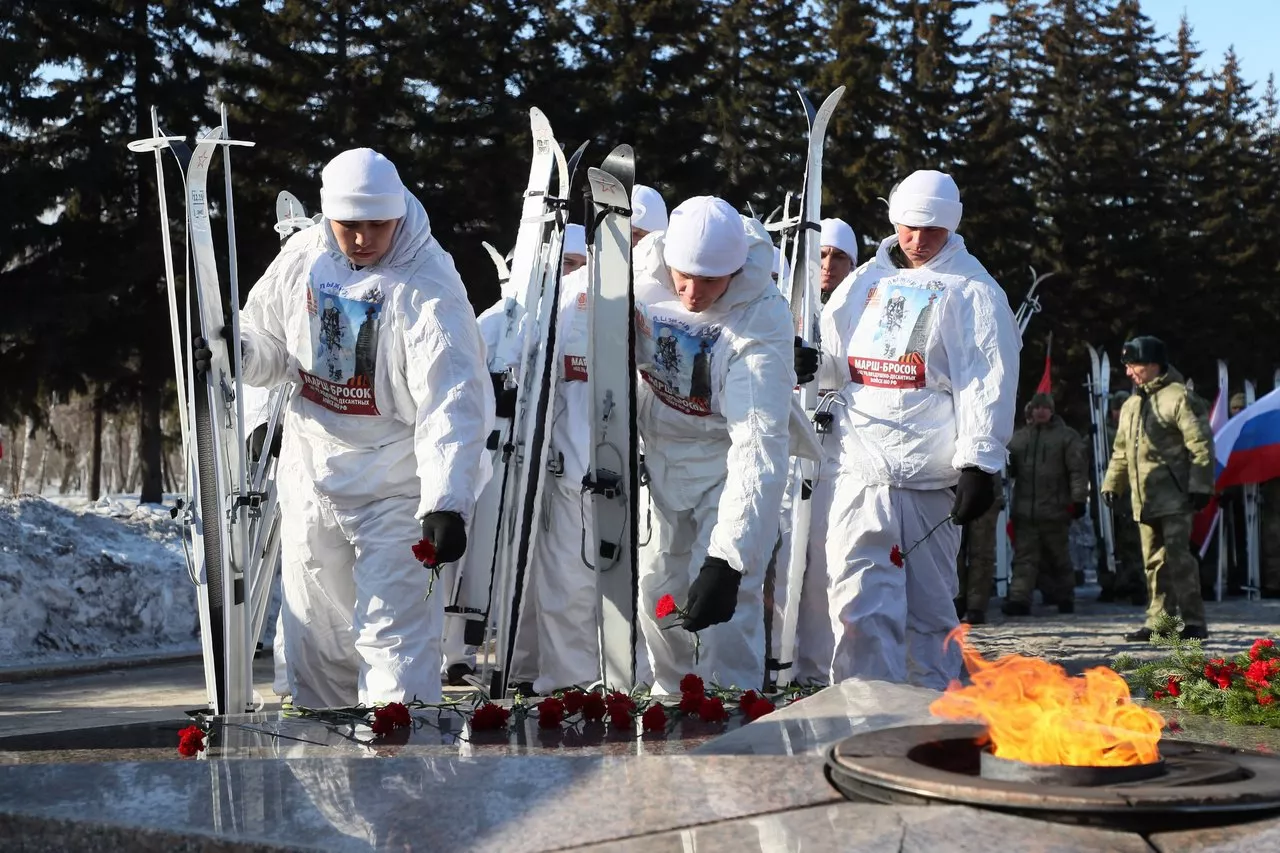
(81, 580)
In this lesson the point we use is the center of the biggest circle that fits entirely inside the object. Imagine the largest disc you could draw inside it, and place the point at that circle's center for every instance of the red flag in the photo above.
(1046, 383)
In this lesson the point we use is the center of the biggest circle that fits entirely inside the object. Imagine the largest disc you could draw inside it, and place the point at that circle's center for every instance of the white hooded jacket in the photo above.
(715, 398)
(394, 399)
(927, 363)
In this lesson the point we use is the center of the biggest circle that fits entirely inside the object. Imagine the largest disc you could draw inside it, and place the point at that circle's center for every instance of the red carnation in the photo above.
(424, 552)
(692, 684)
(489, 717)
(654, 718)
(1258, 646)
(190, 741)
(712, 710)
(1265, 698)
(573, 700)
(617, 698)
(593, 707)
(747, 699)
(1159, 694)
(665, 607)
(758, 709)
(691, 703)
(620, 716)
(395, 714)
(382, 726)
(895, 556)
(1172, 687)
(550, 713)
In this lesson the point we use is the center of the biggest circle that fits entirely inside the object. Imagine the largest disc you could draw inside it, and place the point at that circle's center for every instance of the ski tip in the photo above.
(539, 123)
(621, 164)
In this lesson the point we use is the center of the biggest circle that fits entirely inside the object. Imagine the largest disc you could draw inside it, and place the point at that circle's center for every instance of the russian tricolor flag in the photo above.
(1206, 520)
(1248, 447)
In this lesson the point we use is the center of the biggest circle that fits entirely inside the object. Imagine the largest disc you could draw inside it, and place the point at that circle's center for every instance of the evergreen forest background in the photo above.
(1143, 173)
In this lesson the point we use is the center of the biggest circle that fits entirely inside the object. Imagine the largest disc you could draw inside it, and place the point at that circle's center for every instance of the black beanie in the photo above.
(1145, 349)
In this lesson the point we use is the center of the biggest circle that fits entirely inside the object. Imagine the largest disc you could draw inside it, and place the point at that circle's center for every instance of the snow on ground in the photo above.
(86, 580)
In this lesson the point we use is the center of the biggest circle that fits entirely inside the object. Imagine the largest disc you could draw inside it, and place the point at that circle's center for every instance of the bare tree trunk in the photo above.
(69, 466)
(150, 445)
(95, 459)
(44, 463)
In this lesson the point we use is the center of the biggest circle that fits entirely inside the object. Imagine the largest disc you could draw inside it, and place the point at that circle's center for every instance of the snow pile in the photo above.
(108, 579)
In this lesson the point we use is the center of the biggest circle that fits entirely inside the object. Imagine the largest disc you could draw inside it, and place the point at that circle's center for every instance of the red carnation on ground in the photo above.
(573, 700)
(619, 716)
(550, 713)
(1259, 646)
(593, 707)
(191, 741)
(425, 552)
(758, 709)
(692, 684)
(746, 699)
(616, 698)
(395, 713)
(665, 607)
(712, 710)
(654, 718)
(1172, 687)
(1265, 698)
(489, 717)
(691, 703)
(895, 556)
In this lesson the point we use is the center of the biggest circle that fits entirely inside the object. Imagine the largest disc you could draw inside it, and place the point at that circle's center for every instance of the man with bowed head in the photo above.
(923, 348)
(714, 349)
(383, 444)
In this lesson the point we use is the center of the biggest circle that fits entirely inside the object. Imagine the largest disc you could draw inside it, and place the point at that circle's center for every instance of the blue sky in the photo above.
(1252, 26)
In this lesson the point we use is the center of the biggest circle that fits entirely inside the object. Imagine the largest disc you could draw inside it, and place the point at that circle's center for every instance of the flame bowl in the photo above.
(1193, 784)
(991, 766)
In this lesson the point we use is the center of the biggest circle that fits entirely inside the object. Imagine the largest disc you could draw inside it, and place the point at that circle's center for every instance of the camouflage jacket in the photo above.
(1163, 450)
(1050, 471)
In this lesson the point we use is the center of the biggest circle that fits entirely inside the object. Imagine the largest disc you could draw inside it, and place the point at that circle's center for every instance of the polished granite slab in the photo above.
(856, 827)
(344, 803)
(275, 782)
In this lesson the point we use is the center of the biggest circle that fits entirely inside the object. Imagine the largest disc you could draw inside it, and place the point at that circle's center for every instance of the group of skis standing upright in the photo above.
(880, 403)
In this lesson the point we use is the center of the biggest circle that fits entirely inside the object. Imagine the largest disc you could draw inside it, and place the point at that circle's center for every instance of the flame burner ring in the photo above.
(1192, 785)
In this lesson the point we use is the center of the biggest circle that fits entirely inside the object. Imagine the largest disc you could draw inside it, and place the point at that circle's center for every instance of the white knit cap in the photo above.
(648, 210)
(705, 237)
(926, 199)
(781, 267)
(837, 234)
(361, 185)
(575, 240)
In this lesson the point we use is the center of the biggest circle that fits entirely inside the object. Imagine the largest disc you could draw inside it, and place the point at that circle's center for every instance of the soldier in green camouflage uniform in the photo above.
(1050, 486)
(1129, 581)
(1163, 457)
(976, 561)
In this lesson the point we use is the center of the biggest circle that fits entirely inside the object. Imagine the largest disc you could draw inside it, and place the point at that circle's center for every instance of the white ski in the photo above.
(535, 279)
(806, 311)
(612, 480)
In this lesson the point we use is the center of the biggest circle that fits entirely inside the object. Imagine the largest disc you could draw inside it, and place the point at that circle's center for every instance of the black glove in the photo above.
(975, 493)
(258, 437)
(713, 596)
(504, 398)
(1109, 498)
(806, 361)
(447, 533)
(202, 356)
(1199, 500)
(1076, 509)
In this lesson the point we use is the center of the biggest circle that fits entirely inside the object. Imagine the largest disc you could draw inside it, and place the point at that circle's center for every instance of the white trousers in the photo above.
(731, 653)
(890, 623)
(815, 640)
(357, 627)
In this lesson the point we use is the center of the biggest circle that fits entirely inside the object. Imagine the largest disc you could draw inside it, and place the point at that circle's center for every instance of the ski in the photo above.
(222, 503)
(806, 312)
(612, 480)
(535, 281)
(1097, 386)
